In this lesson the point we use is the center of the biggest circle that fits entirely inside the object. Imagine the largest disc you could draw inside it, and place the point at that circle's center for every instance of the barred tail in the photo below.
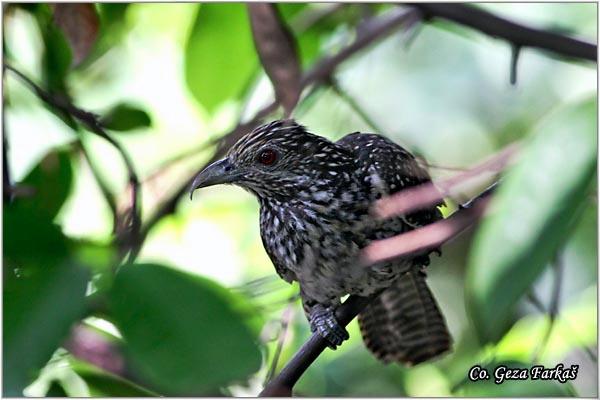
(405, 324)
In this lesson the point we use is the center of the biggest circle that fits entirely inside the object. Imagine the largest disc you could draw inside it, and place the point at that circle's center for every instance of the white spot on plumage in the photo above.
(320, 196)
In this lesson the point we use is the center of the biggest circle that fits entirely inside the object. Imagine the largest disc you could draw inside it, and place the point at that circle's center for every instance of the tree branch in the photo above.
(353, 104)
(130, 238)
(428, 237)
(518, 34)
(371, 31)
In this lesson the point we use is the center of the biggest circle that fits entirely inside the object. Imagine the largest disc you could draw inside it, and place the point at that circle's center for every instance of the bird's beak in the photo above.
(218, 172)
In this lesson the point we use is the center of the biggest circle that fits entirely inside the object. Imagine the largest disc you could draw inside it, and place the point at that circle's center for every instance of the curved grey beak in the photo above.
(218, 172)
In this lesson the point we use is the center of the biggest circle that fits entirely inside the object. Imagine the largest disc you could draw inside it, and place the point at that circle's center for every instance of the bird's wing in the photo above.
(389, 168)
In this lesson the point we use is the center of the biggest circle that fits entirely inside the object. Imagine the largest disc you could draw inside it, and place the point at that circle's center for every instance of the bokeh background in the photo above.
(174, 77)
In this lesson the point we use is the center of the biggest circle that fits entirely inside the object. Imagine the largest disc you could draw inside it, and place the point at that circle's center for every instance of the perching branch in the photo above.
(282, 384)
(517, 34)
(417, 241)
(130, 238)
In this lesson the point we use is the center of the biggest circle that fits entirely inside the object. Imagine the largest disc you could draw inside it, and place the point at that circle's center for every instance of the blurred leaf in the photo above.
(185, 334)
(79, 23)
(50, 183)
(126, 117)
(56, 390)
(532, 213)
(289, 10)
(57, 56)
(512, 388)
(219, 55)
(112, 13)
(43, 295)
(104, 384)
(22, 229)
(111, 30)
(573, 328)
(276, 48)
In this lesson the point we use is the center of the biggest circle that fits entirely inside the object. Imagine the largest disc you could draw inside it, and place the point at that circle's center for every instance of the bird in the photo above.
(315, 198)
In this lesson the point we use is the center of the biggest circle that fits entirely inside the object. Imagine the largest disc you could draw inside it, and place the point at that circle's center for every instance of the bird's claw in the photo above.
(322, 320)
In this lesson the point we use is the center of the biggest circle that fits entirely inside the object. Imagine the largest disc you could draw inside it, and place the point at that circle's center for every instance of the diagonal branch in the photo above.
(130, 239)
(430, 236)
(518, 34)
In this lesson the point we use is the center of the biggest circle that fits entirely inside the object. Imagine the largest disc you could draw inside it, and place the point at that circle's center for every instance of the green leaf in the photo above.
(79, 22)
(43, 295)
(112, 13)
(30, 239)
(57, 56)
(532, 214)
(185, 334)
(113, 26)
(104, 384)
(126, 117)
(219, 55)
(48, 184)
(56, 390)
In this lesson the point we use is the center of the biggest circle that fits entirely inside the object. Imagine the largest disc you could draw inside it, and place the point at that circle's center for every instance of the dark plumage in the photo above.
(314, 199)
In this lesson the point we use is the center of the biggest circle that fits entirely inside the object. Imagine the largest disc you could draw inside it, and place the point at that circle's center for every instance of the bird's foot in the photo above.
(322, 320)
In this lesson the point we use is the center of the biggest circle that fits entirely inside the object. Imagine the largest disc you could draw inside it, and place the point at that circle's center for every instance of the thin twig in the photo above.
(353, 104)
(371, 31)
(537, 303)
(552, 307)
(283, 383)
(286, 318)
(442, 167)
(517, 34)
(515, 52)
(131, 238)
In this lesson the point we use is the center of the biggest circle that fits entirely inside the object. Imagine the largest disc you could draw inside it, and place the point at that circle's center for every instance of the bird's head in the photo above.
(278, 159)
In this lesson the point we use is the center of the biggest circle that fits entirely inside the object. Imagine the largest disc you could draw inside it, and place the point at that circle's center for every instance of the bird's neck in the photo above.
(324, 197)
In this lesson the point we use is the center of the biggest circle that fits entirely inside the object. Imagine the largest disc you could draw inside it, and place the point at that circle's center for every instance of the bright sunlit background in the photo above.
(440, 90)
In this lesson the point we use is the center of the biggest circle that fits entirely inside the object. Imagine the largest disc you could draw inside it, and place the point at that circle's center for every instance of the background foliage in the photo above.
(200, 312)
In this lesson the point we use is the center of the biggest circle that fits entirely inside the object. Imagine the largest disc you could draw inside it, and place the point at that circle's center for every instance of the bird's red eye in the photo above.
(267, 157)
